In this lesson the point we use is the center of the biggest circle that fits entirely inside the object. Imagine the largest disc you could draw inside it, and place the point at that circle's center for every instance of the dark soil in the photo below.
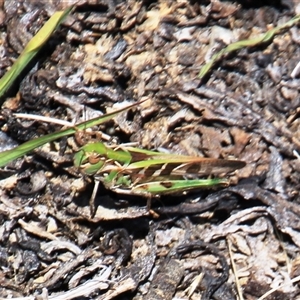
(240, 241)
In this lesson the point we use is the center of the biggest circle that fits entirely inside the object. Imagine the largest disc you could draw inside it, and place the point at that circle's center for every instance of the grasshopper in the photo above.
(134, 171)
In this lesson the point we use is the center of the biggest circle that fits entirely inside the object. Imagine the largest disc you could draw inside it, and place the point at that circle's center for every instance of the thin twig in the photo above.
(238, 286)
(44, 119)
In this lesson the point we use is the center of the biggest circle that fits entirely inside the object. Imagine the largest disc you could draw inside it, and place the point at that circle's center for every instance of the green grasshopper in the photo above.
(134, 171)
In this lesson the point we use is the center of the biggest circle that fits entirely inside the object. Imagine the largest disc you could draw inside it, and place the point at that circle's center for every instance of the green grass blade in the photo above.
(12, 154)
(31, 49)
(264, 38)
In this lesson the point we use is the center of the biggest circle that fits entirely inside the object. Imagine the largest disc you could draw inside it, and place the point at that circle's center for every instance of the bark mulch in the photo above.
(238, 242)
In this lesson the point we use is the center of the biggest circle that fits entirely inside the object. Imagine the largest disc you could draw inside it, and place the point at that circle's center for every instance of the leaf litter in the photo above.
(108, 53)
